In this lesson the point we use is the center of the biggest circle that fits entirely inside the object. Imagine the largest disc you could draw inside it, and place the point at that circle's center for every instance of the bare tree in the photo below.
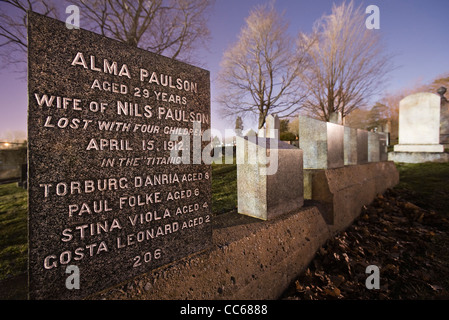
(258, 74)
(348, 62)
(173, 28)
(13, 27)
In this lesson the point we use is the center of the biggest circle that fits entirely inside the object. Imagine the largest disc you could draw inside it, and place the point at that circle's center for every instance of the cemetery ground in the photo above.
(405, 232)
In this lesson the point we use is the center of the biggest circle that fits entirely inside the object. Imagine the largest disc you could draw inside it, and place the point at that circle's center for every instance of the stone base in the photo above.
(418, 157)
(342, 192)
(419, 148)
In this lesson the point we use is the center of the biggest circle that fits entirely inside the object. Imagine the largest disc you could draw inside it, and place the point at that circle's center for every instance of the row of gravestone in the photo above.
(328, 145)
(270, 173)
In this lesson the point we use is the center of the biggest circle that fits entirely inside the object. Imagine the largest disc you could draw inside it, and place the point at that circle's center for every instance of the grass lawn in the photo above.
(13, 230)
(224, 188)
(429, 183)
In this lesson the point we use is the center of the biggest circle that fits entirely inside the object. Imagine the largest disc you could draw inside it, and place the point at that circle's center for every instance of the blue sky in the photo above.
(416, 31)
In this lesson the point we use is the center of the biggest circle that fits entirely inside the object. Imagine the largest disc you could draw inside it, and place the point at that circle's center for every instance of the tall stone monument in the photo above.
(419, 130)
(116, 187)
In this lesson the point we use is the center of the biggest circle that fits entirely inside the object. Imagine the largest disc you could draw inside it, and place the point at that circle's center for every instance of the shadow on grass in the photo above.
(427, 183)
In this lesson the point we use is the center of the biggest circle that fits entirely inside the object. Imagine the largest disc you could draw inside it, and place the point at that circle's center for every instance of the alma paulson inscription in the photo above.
(109, 189)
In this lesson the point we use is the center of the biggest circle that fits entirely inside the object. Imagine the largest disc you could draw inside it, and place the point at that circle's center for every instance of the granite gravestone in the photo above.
(444, 118)
(322, 143)
(350, 146)
(116, 187)
(362, 146)
(373, 147)
(268, 172)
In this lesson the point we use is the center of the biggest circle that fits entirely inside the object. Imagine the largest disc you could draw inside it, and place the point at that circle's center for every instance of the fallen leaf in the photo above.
(334, 292)
(435, 287)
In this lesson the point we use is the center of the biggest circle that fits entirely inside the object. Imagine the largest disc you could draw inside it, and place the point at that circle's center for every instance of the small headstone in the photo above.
(362, 146)
(269, 177)
(335, 117)
(115, 188)
(373, 147)
(383, 145)
(444, 118)
(273, 127)
(350, 146)
(251, 133)
(335, 145)
(388, 127)
(23, 176)
(322, 143)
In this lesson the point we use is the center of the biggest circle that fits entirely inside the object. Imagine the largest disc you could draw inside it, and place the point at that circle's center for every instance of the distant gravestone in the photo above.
(444, 118)
(115, 186)
(273, 127)
(336, 117)
(420, 130)
(383, 146)
(419, 123)
(373, 147)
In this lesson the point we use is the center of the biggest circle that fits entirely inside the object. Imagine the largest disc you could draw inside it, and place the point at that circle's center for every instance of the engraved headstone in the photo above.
(115, 185)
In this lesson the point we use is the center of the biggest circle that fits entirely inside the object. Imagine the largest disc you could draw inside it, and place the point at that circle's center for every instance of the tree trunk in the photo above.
(261, 119)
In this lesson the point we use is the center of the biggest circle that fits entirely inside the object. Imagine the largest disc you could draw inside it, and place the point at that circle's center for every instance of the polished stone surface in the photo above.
(362, 146)
(322, 143)
(350, 146)
(110, 191)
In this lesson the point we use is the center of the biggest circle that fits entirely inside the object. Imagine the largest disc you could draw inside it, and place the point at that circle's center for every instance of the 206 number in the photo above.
(147, 257)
